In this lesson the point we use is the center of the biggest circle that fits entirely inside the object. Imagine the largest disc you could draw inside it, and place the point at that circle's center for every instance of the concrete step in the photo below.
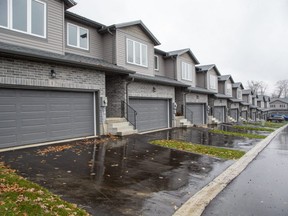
(126, 132)
(115, 120)
(118, 125)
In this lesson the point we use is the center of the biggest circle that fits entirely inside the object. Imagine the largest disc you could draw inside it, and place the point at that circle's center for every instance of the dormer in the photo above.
(225, 85)
(184, 62)
(237, 89)
(207, 77)
(130, 45)
(247, 96)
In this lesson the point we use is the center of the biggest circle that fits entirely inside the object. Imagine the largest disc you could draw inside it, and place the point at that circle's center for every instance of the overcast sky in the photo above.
(245, 38)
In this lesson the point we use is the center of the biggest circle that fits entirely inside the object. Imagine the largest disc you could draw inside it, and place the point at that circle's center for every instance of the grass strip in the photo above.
(19, 196)
(248, 135)
(223, 153)
(253, 128)
(266, 124)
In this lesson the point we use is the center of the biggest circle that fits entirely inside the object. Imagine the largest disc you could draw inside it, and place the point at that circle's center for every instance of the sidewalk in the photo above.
(262, 189)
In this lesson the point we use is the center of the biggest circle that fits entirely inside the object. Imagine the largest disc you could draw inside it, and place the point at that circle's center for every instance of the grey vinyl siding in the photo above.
(109, 48)
(201, 80)
(53, 42)
(95, 42)
(234, 92)
(212, 72)
(221, 87)
(170, 67)
(134, 33)
(245, 98)
(186, 58)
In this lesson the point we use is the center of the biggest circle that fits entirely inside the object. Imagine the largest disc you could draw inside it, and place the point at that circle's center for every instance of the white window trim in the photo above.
(185, 74)
(157, 65)
(29, 18)
(215, 82)
(134, 57)
(229, 90)
(78, 36)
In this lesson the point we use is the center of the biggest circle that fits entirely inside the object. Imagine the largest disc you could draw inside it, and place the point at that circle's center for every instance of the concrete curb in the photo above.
(197, 203)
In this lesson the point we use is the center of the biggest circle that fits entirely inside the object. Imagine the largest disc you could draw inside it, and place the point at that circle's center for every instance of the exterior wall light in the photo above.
(53, 74)
(154, 89)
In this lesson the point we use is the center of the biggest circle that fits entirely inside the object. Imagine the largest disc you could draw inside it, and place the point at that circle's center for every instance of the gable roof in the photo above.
(237, 85)
(225, 78)
(283, 100)
(181, 52)
(206, 68)
(67, 59)
(247, 91)
(83, 20)
(69, 3)
(128, 24)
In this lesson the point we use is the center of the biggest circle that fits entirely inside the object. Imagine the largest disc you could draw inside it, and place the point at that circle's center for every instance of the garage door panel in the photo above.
(151, 113)
(219, 113)
(234, 114)
(195, 113)
(40, 115)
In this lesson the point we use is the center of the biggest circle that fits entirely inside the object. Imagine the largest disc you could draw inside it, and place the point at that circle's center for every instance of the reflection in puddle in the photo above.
(126, 176)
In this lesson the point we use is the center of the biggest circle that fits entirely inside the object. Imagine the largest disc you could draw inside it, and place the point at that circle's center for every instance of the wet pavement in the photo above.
(261, 189)
(125, 176)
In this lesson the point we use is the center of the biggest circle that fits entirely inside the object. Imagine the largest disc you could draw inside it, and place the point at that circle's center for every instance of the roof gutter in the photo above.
(62, 61)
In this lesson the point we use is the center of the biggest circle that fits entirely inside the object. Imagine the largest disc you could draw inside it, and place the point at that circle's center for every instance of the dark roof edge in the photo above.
(165, 82)
(69, 3)
(83, 20)
(127, 24)
(63, 61)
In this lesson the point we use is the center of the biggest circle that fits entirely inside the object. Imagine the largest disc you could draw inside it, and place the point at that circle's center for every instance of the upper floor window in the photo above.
(213, 82)
(77, 36)
(239, 93)
(156, 63)
(229, 89)
(186, 71)
(27, 16)
(136, 53)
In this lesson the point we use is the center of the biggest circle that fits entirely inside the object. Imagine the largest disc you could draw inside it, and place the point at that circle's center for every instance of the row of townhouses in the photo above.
(64, 76)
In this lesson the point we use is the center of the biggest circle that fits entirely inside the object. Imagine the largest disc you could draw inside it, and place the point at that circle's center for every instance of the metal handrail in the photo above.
(191, 113)
(125, 111)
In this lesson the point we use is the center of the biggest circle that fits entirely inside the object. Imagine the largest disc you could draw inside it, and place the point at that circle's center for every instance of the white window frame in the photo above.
(186, 70)
(212, 85)
(239, 93)
(229, 90)
(78, 36)
(134, 53)
(29, 18)
(156, 64)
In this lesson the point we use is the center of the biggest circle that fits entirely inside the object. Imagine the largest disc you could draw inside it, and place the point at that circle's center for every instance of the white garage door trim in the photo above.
(147, 105)
(52, 112)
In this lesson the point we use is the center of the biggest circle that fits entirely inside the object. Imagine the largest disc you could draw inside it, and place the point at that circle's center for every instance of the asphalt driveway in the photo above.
(125, 176)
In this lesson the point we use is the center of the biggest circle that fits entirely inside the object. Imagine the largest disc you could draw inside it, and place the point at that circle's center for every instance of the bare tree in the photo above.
(259, 87)
(281, 88)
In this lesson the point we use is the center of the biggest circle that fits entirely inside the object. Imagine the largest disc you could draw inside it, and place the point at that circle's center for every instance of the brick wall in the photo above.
(32, 74)
(116, 92)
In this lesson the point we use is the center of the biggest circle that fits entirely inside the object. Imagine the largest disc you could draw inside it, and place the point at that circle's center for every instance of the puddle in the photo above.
(122, 177)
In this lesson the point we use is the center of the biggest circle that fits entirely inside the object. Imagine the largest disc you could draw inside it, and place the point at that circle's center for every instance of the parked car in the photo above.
(276, 118)
(279, 115)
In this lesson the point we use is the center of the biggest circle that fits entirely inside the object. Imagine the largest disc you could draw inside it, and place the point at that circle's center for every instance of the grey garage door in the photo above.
(219, 113)
(151, 113)
(234, 114)
(32, 116)
(244, 114)
(195, 113)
